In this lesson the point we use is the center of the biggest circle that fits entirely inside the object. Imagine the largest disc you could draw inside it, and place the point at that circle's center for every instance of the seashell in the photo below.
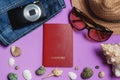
(11, 62)
(72, 75)
(112, 54)
(77, 67)
(27, 75)
(101, 74)
(15, 51)
(55, 72)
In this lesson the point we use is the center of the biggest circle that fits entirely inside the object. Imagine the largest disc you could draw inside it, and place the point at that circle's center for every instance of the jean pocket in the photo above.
(5, 6)
(8, 35)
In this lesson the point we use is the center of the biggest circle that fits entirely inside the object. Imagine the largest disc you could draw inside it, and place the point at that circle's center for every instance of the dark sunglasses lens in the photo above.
(99, 35)
(76, 22)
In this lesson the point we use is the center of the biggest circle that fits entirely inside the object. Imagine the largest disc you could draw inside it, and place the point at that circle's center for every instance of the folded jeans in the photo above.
(7, 34)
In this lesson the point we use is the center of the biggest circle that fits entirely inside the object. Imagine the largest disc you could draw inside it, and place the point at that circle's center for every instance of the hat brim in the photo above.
(81, 5)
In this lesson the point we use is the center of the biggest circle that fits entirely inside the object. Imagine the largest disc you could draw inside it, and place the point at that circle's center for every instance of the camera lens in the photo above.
(32, 12)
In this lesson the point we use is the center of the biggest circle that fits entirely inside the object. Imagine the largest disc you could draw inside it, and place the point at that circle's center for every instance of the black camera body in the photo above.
(25, 15)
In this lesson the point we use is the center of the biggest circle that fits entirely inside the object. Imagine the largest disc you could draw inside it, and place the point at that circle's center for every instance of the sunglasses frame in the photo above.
(85, 19)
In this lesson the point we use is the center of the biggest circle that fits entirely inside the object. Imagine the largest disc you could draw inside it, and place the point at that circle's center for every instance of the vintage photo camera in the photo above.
(25, 15)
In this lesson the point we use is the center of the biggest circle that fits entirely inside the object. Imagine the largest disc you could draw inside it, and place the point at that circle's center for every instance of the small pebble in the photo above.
(97, 67)
(15, 51)
(72, 75)
(11, 62)
(77, 67)
(40, 71)
(27, 75)
(87, 73)
(16, 67)
(101, 74)
(12, 76)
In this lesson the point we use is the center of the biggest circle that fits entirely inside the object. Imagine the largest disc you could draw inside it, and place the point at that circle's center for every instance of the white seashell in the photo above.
(27, 75)
(11, 62)
(101, 74)
(72, 75)
(117, 72)
(112, 53)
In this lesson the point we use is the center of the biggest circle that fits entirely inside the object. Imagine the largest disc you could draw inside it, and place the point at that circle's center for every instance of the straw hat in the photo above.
(103, 12)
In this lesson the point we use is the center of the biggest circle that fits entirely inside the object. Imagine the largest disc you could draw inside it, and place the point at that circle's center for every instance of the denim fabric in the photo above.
(7, 34)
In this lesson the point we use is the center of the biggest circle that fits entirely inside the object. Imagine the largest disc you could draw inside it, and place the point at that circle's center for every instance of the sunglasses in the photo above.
(80, 21)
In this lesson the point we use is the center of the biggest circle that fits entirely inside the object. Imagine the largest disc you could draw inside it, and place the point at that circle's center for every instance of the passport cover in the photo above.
(57, 45)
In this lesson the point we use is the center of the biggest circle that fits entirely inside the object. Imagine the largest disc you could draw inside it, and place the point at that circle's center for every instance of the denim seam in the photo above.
(61, 4)
(3, 40)
(4, 29)
(9, 6)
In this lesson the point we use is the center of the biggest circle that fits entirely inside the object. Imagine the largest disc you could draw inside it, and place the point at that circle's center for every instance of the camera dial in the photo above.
(32, 12)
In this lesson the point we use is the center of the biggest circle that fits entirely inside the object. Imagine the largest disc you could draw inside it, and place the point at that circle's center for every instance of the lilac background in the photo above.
(86, 53)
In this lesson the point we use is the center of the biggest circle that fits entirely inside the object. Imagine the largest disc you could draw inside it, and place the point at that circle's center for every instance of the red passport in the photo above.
(57, 45)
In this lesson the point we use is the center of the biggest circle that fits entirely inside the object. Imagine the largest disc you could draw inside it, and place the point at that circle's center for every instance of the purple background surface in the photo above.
(86, 53)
